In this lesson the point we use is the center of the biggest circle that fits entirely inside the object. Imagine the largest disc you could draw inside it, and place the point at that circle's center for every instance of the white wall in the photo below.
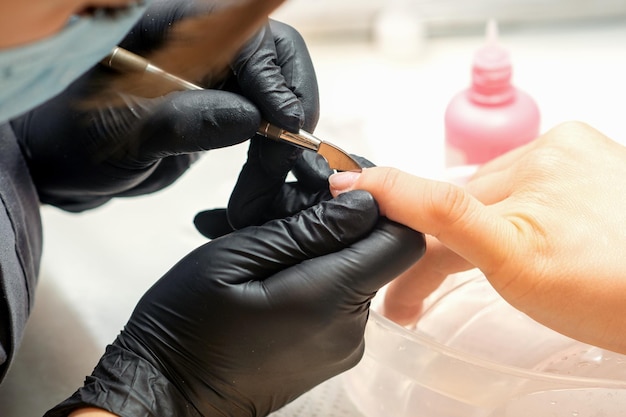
(442, 16)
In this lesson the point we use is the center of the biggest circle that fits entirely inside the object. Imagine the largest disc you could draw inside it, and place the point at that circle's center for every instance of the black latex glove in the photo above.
(251, 204)
(80, 159)
(259, 187)
(250, 321)
(311, 187)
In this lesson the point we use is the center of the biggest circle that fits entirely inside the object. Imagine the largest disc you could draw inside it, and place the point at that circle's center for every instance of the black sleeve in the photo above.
(128, 386)
(20, 251)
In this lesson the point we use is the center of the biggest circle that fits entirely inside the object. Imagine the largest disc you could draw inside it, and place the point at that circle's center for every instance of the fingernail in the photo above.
(343, 181)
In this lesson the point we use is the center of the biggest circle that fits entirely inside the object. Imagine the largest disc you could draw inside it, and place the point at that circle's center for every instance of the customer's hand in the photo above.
(250, 321)
(545, 224)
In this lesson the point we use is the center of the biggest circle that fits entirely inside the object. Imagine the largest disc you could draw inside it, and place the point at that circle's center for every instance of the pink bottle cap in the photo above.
(492, 71)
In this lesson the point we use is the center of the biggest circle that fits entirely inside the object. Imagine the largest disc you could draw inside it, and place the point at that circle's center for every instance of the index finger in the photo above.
(262, 81)
(443, 210)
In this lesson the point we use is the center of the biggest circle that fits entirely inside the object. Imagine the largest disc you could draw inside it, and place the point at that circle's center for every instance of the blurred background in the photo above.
(386, 69)
(443, 17)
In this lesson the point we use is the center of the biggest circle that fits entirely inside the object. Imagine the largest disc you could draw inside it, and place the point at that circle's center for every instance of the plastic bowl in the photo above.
(473, 355)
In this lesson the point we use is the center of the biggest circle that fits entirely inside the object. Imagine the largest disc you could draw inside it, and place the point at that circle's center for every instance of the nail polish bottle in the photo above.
(492, 116)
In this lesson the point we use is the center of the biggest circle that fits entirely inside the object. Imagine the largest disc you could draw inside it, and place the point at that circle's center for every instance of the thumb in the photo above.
(384, 254)
(213, 223)
(440, 209)
(195, 121)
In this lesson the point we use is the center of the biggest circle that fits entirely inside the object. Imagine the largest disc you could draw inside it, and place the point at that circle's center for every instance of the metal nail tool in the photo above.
(123, 60)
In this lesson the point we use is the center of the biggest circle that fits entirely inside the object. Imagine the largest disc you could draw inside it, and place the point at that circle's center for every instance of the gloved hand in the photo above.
(259, 194)
(250, 203)
(250, 321)
(80, 158)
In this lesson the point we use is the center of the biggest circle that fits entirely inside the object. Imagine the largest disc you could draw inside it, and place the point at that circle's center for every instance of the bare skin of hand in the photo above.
(545, 223)
(91, 412)
(26, 21)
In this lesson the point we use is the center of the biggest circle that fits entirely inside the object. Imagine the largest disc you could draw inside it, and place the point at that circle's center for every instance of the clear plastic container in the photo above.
(473, 355)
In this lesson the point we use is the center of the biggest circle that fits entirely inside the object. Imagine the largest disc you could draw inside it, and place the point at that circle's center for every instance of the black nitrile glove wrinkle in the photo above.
(129, 386)
(252, 202)
(287, 96)
(276, 73)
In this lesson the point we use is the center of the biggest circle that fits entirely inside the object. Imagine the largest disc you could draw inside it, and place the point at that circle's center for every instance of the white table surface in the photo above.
(98, 264)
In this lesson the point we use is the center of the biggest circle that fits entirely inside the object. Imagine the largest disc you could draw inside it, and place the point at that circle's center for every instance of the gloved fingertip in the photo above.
(356, 208)
(212, 223)
(295, 117)
(284, 110)
(312, 170)
(364, 162)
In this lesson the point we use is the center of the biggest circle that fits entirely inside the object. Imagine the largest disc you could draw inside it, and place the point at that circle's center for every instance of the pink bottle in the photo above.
(492, 116)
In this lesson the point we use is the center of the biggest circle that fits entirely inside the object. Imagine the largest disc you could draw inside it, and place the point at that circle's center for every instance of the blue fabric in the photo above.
(34, 73)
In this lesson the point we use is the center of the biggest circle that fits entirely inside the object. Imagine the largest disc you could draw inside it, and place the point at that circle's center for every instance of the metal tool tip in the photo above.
(337, 158)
